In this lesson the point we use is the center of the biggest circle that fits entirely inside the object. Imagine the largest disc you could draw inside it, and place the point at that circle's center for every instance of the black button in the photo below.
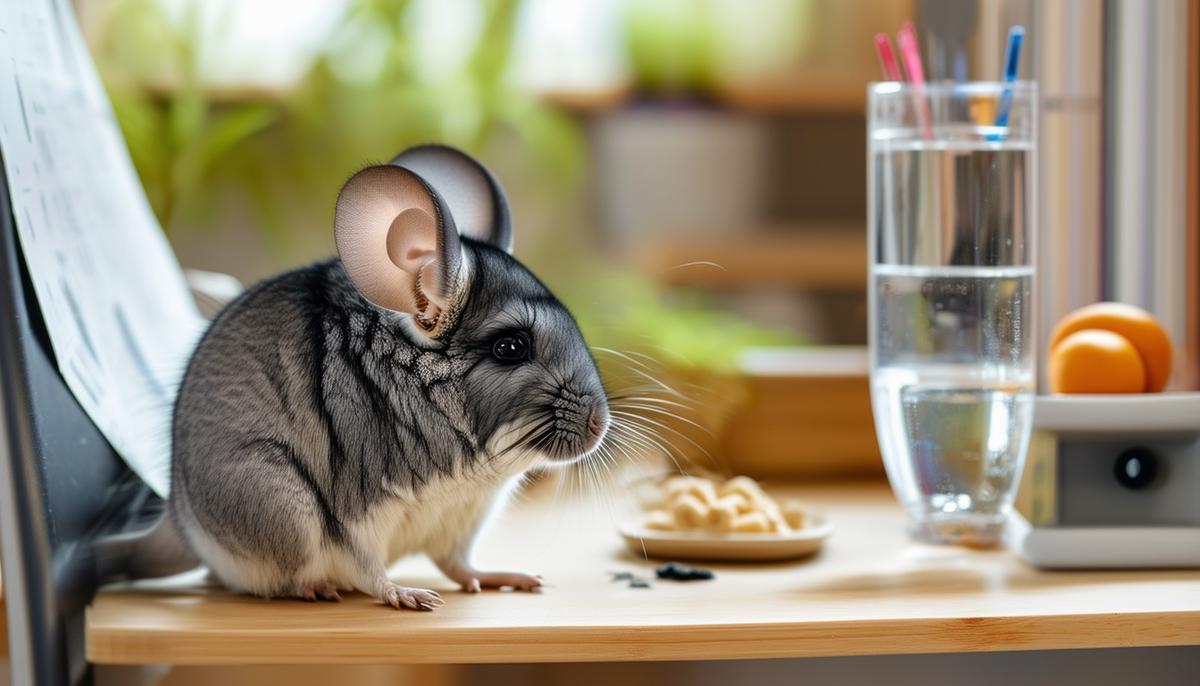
(1136, 468)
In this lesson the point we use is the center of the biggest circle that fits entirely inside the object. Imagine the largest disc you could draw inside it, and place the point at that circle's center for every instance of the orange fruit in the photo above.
(1135, 324)
(1096, 361)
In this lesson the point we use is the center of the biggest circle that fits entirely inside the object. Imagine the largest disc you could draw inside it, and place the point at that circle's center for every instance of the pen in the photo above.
(887, 58)
(910, 52)
(1012, 58)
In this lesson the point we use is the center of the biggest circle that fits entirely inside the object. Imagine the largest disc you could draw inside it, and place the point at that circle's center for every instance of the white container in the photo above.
(665, 171)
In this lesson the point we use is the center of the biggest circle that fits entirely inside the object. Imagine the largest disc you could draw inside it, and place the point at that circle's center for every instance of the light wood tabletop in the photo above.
(870, 591)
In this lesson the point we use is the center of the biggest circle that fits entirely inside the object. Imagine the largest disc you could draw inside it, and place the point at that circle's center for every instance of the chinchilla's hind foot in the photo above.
(319, 591)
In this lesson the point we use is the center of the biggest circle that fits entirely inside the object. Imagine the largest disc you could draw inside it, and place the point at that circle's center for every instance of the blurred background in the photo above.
(688, 175)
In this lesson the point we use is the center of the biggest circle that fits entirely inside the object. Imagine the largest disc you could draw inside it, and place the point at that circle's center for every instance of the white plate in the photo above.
(687, 545)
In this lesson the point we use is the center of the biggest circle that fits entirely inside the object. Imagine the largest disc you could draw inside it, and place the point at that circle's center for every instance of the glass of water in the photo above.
(952, 206)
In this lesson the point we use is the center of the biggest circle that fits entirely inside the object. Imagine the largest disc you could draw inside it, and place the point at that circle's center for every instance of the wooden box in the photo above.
(807, 413)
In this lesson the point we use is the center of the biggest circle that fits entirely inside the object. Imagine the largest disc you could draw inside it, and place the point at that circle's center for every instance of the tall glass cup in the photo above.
(951, 207)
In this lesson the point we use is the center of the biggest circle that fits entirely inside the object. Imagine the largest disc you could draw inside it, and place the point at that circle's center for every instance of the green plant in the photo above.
(175, 133)
(626, 312)
(282, 150)
(692, 47)
(283, 153)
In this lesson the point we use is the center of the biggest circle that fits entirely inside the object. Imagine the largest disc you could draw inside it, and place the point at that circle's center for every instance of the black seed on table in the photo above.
(638, 583)
(681, 572)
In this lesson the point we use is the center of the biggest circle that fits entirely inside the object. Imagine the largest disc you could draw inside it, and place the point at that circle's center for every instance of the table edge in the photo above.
(635, 643)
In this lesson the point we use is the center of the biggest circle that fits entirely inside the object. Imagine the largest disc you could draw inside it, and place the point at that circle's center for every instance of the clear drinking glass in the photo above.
(951, 212)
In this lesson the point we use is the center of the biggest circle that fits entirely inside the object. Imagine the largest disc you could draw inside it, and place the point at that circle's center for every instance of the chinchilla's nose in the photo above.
(597, 424)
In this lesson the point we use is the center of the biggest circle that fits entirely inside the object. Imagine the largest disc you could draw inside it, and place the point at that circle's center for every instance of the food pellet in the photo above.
(660, 520)
(689, 512)
(744, 486)
(775, 520)
(752, 523)
(736, 506)
(722, 513)
(702, 489)
(794, 515)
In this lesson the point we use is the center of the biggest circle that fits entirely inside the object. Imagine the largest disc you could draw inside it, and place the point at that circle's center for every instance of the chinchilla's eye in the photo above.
(511, 348)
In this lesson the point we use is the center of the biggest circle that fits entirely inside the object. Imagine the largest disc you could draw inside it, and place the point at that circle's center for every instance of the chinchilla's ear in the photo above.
(399, 244)
(472, 193)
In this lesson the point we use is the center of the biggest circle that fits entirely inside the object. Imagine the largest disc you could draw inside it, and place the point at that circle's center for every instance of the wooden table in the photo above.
(870, 592)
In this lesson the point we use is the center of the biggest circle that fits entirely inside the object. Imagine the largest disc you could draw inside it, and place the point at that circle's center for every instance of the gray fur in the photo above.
(158, 551)
(305, 398)
(306, 411)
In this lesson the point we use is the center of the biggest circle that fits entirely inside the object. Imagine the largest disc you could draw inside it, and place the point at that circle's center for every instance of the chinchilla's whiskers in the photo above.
(593, 474)
(604, 458)
(700, 263)
(647, 420)
(513, 450)
(642, 366)
(669, 414)
(639, 437)
(545, 438)
(649, 431)
(602, 479)
(658, 385)
(631, 433)
(592, 477)
(510, 431)
(637, 401)
(637, 397)
(527, 433)
(619, 444)
(690, 386)
(641, 359)
(645, 440)
(625, 356)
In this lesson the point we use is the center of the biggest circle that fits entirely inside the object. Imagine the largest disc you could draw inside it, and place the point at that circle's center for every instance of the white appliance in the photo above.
(1114, 482)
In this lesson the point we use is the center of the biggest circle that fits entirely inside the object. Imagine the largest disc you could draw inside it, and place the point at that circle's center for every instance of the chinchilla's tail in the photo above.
(154, 552)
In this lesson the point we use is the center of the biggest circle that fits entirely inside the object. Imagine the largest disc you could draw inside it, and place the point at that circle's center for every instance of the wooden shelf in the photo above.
(797, 96)
(818, 259)
(769, 97)
(870, 592)
(764, 97)
(588, 101)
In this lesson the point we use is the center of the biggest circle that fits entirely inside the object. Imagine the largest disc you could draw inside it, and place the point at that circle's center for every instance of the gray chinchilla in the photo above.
(342, 415)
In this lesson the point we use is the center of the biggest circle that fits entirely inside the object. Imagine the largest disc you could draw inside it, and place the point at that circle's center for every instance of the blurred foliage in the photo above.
(670, 45)
(691, 46)
(288, 150)
(681, 328)
(284, 153)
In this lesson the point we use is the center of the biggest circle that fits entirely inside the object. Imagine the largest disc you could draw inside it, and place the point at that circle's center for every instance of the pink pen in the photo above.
(910, 52)
(887, 58)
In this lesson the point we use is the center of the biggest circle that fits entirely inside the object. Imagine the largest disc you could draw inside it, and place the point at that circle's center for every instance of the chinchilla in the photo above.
(345, 414)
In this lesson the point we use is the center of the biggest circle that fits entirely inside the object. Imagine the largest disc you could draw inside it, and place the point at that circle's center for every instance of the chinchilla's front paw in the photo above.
(401, 597)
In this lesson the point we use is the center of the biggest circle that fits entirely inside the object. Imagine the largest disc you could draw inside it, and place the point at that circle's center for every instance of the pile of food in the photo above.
(739, 505)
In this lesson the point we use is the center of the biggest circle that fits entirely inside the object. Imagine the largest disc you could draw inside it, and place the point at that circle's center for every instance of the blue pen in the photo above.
(1011, 59)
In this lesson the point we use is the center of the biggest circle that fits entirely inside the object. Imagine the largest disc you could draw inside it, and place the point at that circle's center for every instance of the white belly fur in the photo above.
(441, 520)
